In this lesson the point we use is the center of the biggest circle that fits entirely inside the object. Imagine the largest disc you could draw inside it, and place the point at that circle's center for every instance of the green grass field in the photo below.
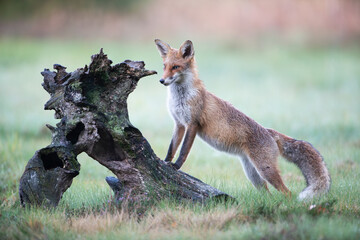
(310, 93)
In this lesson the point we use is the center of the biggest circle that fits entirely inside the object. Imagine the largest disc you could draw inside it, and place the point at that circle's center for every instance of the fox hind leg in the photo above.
(252, 174)
(267, 168)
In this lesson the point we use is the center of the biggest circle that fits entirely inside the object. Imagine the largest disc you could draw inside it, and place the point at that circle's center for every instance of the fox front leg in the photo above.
(175, 142)
(188, 142)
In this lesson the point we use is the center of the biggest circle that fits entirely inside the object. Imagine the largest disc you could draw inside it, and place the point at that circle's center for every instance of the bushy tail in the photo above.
(310, 162)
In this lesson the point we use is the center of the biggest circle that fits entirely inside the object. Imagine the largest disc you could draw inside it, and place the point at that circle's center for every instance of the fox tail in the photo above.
(310, 162)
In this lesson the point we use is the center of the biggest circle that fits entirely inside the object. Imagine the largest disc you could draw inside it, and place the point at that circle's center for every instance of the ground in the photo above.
(307, 92)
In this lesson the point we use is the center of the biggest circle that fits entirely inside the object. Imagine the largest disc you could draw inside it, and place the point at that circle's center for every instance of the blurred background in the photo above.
(291, 65)
(240, 21)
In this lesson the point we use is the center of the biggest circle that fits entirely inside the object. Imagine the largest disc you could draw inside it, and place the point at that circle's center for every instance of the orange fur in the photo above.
(198, 112)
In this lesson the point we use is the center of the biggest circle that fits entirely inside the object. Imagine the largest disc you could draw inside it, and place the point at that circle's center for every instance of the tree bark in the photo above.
(92, 105)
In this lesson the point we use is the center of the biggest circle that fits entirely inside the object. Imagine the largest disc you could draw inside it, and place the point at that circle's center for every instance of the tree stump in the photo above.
(92, 105)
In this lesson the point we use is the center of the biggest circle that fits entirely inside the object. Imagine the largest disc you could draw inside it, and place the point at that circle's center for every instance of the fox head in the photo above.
(179, 64)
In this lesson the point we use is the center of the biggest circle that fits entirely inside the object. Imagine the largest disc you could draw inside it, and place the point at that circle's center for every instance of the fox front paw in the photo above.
(173, 165)
(168, 158)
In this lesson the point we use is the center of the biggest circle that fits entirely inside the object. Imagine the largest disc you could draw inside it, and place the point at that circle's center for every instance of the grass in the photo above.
(310, 93)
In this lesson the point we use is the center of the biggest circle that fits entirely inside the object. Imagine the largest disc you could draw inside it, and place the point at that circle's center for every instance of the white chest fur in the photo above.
(179, 96)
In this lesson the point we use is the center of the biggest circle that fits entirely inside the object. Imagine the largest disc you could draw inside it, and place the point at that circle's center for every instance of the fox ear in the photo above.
(187, 49)
(162, 47)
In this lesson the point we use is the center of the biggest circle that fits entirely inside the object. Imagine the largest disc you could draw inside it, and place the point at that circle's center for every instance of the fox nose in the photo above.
(162, 81)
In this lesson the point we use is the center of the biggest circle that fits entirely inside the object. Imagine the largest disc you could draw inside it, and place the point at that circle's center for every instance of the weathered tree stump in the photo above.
(92, 105)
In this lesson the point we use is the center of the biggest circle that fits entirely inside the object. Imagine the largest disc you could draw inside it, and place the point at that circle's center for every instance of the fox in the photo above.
(196, 111)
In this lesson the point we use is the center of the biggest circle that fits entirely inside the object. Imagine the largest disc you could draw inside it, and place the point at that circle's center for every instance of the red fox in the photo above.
(198, 112)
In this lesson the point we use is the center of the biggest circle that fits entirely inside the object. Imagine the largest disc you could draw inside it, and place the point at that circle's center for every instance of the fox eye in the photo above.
(175, 67)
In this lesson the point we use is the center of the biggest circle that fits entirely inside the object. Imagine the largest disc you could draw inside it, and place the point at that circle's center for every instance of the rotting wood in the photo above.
(92, 105)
